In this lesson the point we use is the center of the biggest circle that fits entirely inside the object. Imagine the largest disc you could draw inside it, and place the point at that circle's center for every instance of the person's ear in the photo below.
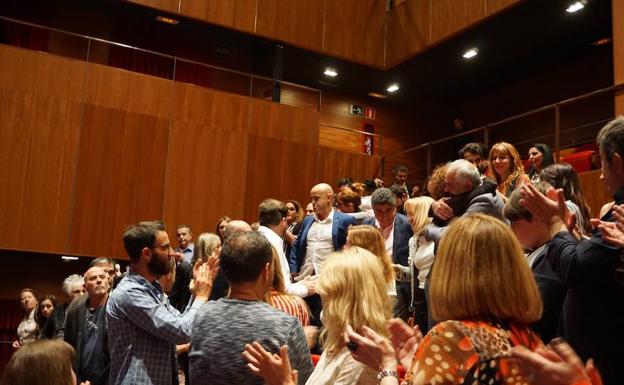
(146, 253)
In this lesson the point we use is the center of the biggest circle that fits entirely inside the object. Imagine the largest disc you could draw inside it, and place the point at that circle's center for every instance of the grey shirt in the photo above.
(222, 328)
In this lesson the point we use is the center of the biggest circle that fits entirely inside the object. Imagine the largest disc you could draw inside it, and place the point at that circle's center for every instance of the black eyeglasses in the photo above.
(162, 247)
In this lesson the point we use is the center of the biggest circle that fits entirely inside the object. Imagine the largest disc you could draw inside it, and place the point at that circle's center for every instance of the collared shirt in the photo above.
(142, 331)
(277, 242)
(319, 244)
(390, 239)
(187, 253)
(533, 254)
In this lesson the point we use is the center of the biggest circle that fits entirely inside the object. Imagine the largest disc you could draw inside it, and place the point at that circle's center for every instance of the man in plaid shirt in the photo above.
(143, 328)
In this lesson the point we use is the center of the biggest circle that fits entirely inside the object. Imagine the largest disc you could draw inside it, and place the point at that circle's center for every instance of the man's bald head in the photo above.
(322, 188)
(236, 226)
(96, 281)
(322, 197)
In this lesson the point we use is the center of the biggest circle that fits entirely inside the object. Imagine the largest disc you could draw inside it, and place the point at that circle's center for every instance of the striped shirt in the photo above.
(142, 331)
(292, 305)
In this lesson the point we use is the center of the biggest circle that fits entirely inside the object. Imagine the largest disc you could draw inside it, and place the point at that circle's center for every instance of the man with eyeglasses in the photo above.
(85, 329)
(143, 328)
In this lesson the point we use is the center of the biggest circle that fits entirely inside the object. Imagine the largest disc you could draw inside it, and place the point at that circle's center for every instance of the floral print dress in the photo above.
(471, 353)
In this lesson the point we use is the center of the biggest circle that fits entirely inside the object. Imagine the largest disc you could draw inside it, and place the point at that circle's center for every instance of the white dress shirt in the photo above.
(319, 245)
(389, 240)
(277, 242)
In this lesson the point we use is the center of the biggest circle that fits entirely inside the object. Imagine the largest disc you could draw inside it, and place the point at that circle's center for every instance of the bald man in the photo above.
(85, 329)
(236, 226)
(321, 234)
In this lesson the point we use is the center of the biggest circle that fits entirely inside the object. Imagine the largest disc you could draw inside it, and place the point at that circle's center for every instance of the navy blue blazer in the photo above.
(340, 225)
(402, 233)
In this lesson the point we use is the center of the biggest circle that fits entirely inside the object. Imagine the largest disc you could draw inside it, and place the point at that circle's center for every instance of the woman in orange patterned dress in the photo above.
(484, 293)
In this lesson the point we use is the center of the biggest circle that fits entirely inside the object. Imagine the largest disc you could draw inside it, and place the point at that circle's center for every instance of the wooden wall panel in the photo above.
(340, 139)
(166, 5)
(494, 6)
(451, 16)
(40, 110)
(38, 143)
(394, 124)
(299, 97)
(594, 191)
(284, 122)
(237, 14)
(278, 169)
(120, 178)
(409, 30)
(209, 108)
(205, 176)
(299, 22)
(334, 164)
(355, 29)
(35, 72)
(128, 91)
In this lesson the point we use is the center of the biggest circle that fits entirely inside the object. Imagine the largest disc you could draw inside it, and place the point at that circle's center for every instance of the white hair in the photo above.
(465, 172)
(72, 281)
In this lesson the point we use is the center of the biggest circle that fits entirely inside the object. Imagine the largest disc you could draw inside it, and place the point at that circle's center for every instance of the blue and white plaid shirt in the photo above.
(143, 329)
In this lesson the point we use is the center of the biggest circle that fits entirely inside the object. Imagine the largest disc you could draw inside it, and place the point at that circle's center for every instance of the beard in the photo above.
(158, 266)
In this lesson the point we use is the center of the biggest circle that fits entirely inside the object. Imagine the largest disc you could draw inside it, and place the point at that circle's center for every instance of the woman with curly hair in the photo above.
(506, 168)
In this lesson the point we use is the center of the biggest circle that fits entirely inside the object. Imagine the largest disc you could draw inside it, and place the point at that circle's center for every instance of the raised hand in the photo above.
(274, 369)
(404, 340)
(558, 365)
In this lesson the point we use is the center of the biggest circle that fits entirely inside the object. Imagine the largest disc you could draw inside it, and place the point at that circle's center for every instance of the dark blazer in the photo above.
(74, 328)
(402, 233)
(592, 314)
(553, 293)
(340, 225)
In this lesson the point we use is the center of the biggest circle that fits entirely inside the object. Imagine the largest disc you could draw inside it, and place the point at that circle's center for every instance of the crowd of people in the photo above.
(487, 274)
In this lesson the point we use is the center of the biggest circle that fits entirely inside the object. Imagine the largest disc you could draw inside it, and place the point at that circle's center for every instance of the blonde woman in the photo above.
(353, 290)
(209, 244)
(506, 168)
(484, 294)
(369, 238)
(420, 257)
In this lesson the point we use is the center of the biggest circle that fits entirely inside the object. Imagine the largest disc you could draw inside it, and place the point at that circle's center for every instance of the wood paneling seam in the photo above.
(72, 200)
(171, 115)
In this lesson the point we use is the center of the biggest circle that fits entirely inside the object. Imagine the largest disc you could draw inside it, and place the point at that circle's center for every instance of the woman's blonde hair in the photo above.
(481, 273)
(354, 293)
(206, 244)
(42, 362)
(417, 209)
(369, 238)
(278, 277)
(517, 169)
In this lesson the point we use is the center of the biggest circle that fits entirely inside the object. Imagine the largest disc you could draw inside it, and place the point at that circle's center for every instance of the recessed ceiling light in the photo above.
(167, 20)
(376, 95)
(600, 42)
(67, 258)
(330, 72)
(393, 88)
(472, 52)
(577, 6)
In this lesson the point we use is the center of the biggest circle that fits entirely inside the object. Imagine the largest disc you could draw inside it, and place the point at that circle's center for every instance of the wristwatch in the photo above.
(387, 373)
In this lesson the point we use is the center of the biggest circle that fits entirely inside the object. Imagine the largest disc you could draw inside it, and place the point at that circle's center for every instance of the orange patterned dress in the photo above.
(470, 352)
